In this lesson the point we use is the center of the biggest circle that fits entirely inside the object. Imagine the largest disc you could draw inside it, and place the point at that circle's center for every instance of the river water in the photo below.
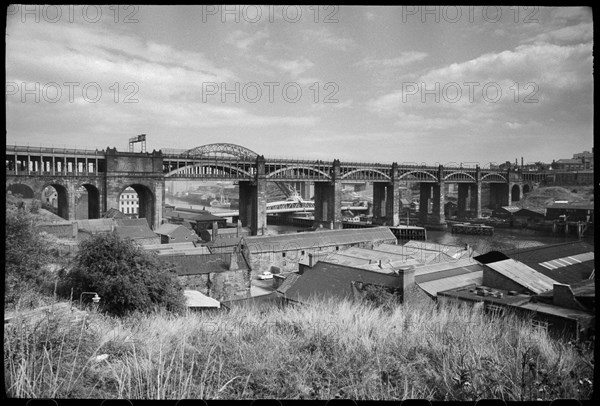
(503, 239)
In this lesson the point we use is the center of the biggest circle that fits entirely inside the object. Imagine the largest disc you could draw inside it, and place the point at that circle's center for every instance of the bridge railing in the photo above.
(19, 149)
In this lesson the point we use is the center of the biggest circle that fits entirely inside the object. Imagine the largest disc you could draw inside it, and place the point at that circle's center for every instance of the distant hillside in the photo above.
(543, 196)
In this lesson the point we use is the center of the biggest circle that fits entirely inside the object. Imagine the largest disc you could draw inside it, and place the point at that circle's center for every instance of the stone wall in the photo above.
(221, 285)
(65, 229)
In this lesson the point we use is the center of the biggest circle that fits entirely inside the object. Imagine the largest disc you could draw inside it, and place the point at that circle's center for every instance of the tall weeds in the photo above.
(326, 350)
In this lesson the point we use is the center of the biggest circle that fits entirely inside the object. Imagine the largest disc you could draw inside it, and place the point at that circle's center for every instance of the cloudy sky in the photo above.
(404, 84)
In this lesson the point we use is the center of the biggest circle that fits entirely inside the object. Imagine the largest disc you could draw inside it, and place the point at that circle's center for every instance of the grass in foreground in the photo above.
(322, 351)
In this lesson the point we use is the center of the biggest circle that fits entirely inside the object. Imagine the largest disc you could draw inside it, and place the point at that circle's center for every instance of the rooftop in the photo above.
(325, 238)
(568, 262)
(332, 280)
(571, 205)
(470, 294)
(525, 276)
(135, 232)
(193, 298)
(432, 287)
(168, 229)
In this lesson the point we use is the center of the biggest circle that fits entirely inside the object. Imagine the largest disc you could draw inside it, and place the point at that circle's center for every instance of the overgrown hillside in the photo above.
(323, 351)
(541, 197)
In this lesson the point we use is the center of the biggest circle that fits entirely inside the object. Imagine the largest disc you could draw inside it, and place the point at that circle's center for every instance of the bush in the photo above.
(27, 256)
(126, 277)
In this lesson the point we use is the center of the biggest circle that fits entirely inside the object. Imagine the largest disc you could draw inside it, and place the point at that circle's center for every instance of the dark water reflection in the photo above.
(502, 240)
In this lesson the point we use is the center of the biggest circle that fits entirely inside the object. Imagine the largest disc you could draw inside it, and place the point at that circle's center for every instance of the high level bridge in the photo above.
(106, 173)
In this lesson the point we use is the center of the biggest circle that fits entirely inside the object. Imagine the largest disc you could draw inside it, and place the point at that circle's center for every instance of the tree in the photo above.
(126, 277)
(27, 254)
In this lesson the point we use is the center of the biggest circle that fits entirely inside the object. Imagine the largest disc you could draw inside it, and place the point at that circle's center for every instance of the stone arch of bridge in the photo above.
(93, 200)
(146, 201)
(515, 193)
(21, 189)
(62, 193)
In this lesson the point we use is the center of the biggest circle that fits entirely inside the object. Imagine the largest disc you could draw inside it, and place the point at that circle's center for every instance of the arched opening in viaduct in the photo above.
(515, 193)
(140, 206)
(87, 202)
(55, 198)
(20, 190)
(526, 189)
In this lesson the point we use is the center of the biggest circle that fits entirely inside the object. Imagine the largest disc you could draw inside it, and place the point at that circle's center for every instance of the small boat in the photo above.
(223, 202)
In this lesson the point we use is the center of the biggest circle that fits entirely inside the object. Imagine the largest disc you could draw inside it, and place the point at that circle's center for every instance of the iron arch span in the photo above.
(221, 149)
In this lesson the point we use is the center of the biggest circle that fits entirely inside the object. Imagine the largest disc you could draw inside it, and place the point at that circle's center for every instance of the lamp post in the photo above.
(95, 299)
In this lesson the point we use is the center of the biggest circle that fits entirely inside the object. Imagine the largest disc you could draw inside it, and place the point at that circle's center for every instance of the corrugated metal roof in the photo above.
(557, 311)
(432, 272)
(450, 250)
(453, 282)
(285, 242)
(567, 261)
(523, 275)
(193, 298)
(443, 266)
(534, 257)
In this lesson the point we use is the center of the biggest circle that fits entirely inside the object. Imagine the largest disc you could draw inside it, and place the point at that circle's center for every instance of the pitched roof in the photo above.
(202, 217)
(201, 263)
(139, 222)
(330, 280)
(289, 281)
(136, 232)
(113, 213)
(526, 212)
(511, 209)
(432, 287)
(169, 229)
(568, 262)
(450, 250)
(443, 270)
(96, 225)
(572, 205)
(306, 240)
(193, 298)
(523, 275)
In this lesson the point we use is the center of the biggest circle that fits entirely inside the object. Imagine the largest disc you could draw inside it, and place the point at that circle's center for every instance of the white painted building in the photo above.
(129, 201)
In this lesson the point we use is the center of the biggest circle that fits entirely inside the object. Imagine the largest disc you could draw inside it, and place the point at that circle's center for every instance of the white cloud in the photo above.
(404, 59)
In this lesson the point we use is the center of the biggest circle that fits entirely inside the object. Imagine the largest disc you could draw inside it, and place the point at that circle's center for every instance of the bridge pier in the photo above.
(379, 206)
(463, 195)
(499, 195)
(438, 216)
(475, 207)
(392, 203)
(253, 201)
(424, 196)
(328, 201)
